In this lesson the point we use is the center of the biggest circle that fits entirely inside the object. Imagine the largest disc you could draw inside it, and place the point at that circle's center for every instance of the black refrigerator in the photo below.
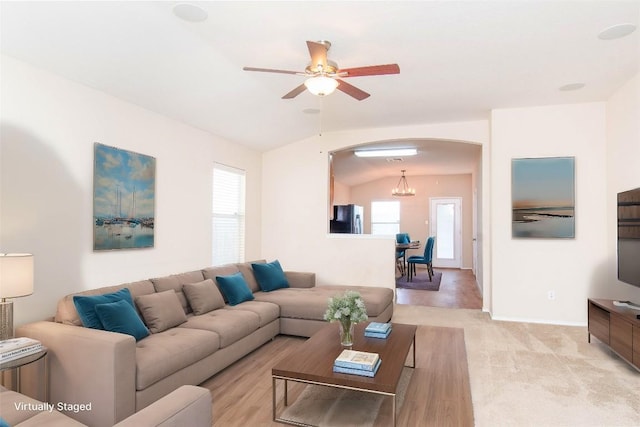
(347, 219)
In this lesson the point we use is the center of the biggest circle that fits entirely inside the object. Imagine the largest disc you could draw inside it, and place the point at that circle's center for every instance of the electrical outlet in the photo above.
(551, 295)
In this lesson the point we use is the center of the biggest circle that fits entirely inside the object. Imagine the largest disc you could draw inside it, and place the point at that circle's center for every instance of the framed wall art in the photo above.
(123, 199)
(543, 197)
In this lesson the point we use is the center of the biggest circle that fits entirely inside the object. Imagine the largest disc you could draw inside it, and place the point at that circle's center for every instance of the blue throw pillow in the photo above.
(85, 305)
(270, 276)
(235, 288)
(121, 317)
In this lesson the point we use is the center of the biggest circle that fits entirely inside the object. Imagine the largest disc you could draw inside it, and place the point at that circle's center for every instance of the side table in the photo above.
(16, 365)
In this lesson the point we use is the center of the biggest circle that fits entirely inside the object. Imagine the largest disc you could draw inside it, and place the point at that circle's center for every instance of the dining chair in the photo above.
(402, 238)
(425, 259)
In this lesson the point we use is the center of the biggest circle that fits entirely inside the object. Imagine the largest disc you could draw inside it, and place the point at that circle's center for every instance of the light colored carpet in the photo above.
(327, 406)
(525, 374)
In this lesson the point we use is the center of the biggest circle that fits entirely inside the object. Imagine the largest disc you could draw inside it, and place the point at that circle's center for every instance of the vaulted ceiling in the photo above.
(458, 60)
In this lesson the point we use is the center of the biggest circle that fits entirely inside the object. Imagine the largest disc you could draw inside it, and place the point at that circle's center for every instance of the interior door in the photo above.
(474, 233)
(446, 215)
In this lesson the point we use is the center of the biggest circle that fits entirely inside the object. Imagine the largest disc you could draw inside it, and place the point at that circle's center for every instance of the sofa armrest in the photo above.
(186, 406)
(88, 366)
(299, 279)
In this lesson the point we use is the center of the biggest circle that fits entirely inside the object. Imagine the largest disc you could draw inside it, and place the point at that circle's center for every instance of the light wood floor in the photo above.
(458, 289)
(438, 394)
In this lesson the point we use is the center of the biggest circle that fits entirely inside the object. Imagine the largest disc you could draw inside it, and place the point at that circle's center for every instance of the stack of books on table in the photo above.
(357, 363)
(16, 348)
(377, 330)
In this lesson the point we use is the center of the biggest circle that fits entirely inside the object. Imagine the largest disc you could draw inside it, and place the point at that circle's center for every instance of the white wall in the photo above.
(524, 270)
(49, 126)
(623, 171)
(296, 233)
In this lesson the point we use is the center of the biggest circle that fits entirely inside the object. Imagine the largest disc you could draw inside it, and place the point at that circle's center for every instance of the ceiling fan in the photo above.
(324, 75)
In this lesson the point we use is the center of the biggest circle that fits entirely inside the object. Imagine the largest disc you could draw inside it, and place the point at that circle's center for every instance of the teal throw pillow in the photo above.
(270, 276)
(85, 305)
(235, 288)
(121, 317)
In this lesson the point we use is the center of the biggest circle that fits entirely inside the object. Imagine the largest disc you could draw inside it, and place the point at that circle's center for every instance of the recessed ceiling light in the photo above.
(398, 152)
(311, 111)
(571, 86)
(616, 31)
(190, 12)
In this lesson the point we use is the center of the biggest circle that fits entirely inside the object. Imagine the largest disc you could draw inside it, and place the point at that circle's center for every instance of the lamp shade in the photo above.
(16, 275)
(321, 85)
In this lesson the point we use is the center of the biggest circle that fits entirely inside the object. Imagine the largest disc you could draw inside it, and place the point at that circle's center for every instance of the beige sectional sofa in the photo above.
(186, 406)
(120, 376)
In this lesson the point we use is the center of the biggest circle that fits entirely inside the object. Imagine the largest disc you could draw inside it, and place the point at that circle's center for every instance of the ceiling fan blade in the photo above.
(318, 53)
(373, 70)
(269, 70)
(297, 91)
(352, 90)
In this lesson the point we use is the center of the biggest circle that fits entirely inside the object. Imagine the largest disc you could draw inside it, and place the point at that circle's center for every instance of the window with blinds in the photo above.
(228, 214)
(385, 217)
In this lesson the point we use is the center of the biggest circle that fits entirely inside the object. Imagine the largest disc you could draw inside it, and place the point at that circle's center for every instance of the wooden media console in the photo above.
(616, 326)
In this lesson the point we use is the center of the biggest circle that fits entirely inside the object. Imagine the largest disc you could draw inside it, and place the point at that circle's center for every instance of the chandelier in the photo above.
(403, 189)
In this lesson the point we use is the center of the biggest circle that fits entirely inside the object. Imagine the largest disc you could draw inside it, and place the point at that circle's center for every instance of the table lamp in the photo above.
(16, 280)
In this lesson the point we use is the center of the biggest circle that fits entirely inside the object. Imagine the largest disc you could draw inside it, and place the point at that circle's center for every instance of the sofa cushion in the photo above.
(223, 270)
(267, 312)
(66, 311)
(230, 325)
(32, 416)
(376, 299)
(270, 276)
(203, 296)
(120, 316)
(161, 310)
(162, 354)
(8, 398)
(85, 305)
(229, 269)
(50, 419)
(297, 303)
(247, 271)
(175, 282)
(235, 288)
(311, 303)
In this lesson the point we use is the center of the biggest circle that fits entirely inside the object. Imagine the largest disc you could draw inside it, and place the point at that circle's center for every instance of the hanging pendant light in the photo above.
(403, 189)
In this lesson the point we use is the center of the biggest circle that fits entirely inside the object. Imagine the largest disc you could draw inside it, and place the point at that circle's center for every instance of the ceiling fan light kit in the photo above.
(321, 85)
(324, 76)
(403, 189)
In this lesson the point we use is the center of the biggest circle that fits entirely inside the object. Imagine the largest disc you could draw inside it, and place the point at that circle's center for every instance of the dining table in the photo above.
(404, 247)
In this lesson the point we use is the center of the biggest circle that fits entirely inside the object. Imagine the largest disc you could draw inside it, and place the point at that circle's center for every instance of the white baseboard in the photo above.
(539, 321)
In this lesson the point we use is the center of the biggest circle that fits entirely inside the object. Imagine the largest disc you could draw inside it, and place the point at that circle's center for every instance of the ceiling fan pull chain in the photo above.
(321, 114)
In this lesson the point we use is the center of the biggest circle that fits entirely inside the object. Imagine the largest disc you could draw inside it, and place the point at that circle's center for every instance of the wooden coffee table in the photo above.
(312, 363)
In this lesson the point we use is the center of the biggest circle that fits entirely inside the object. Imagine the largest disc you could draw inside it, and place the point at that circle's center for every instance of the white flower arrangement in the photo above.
(348, 308)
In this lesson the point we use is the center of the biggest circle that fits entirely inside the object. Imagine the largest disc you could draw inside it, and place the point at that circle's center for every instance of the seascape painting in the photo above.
(543, 197)
(123, 199)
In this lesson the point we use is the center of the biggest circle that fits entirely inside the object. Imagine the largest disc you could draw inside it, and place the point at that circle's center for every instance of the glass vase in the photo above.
(346, 333)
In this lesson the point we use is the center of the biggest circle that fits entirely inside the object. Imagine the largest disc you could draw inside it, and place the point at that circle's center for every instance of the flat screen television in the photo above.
(629, 237)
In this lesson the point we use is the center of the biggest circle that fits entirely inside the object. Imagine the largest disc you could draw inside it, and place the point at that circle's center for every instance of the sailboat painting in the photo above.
(543, 197)
(123, 199)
